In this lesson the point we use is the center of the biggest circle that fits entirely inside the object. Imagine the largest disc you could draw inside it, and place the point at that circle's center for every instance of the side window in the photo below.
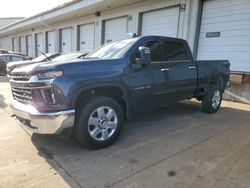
(17, 58)
(173, 51)
(155, 49)
(7, 59)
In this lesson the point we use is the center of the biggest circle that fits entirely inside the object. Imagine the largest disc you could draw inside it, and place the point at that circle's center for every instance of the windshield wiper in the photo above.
(91, 57)
(43, 54)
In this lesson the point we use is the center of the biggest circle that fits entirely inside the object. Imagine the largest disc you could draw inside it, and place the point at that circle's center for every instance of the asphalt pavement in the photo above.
(177, 146)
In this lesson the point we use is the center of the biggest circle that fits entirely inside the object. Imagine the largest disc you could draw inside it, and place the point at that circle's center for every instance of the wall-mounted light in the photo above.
(98, 13)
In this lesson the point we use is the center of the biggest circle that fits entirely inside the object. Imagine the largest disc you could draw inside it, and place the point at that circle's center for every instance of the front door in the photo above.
(148, 85)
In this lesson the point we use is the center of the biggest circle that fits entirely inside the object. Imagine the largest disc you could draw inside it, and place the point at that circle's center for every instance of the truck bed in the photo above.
(210, 68)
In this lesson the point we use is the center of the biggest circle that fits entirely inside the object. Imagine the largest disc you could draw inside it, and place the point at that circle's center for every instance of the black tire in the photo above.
(208, 104)
(82, 128)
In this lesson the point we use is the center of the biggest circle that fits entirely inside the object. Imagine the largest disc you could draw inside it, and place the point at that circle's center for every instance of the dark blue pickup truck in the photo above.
(92, 96)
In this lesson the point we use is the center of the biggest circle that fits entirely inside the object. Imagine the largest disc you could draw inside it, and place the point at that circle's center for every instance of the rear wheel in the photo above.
(99, 123)
(212, 100)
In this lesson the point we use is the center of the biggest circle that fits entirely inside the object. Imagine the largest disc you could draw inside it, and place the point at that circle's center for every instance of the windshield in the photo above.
(67, 56)
(114, 50)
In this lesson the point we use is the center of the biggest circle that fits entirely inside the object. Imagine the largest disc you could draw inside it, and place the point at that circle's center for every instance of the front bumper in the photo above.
(43, 123)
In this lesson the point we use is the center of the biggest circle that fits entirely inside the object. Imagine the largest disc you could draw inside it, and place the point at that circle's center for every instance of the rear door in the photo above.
(180, 70)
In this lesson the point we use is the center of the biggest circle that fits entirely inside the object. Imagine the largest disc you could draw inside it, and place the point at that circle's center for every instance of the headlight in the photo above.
(50, 74)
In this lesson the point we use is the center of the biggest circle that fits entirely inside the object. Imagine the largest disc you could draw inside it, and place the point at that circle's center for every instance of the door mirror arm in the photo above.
(144, 60)
(145, 56)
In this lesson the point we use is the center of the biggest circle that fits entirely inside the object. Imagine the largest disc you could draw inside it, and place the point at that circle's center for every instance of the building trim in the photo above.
(198, 28)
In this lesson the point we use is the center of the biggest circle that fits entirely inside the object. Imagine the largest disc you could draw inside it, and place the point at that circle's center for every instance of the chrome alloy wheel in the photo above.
(102, 123)
(216, 99)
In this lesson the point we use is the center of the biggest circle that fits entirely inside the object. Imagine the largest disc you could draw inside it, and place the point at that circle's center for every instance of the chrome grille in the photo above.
(22, 95)
(20, 77)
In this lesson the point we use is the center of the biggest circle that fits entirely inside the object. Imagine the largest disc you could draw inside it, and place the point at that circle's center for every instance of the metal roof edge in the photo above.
(12, 18)
(67, 4)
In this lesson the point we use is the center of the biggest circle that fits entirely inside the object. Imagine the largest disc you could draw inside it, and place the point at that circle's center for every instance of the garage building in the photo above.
(214, 29)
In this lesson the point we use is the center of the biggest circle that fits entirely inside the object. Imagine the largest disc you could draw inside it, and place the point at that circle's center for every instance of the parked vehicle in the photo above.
(93, 95)
(5, 58)
(3, 51)
(19, 53)
(42, 58)
(45, 58)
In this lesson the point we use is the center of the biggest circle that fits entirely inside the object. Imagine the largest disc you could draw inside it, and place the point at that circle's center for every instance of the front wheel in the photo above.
(99, 122)
(212, 100)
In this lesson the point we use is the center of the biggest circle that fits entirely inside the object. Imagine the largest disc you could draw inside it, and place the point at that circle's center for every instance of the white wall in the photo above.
(186, 23)
(6, 43)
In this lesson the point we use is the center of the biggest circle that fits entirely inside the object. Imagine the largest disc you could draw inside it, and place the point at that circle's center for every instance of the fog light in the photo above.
(48, 96)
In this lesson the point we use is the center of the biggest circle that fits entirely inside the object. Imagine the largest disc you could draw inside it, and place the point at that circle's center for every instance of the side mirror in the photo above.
(145, 56)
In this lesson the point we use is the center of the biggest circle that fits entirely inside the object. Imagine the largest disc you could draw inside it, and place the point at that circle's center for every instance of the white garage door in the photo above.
(87, 37)
(39, 44)
(51, 42)
(66, 40)
(225, 32)
(14, 44)
(22, 47)
(29, 47)
(162, 22)
(115, 29)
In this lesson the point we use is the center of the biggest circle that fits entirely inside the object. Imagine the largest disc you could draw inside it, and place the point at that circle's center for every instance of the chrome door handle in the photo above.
(165, 69)
(192, 67)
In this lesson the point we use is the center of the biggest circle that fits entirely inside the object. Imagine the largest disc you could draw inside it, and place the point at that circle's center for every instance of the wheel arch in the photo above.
(114, 91)
(214, 79)
(218, 80)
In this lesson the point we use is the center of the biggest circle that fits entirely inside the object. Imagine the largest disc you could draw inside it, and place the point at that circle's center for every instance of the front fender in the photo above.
(79, 88)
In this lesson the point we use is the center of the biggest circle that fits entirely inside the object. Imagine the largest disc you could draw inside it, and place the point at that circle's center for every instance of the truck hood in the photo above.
(75, 65)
